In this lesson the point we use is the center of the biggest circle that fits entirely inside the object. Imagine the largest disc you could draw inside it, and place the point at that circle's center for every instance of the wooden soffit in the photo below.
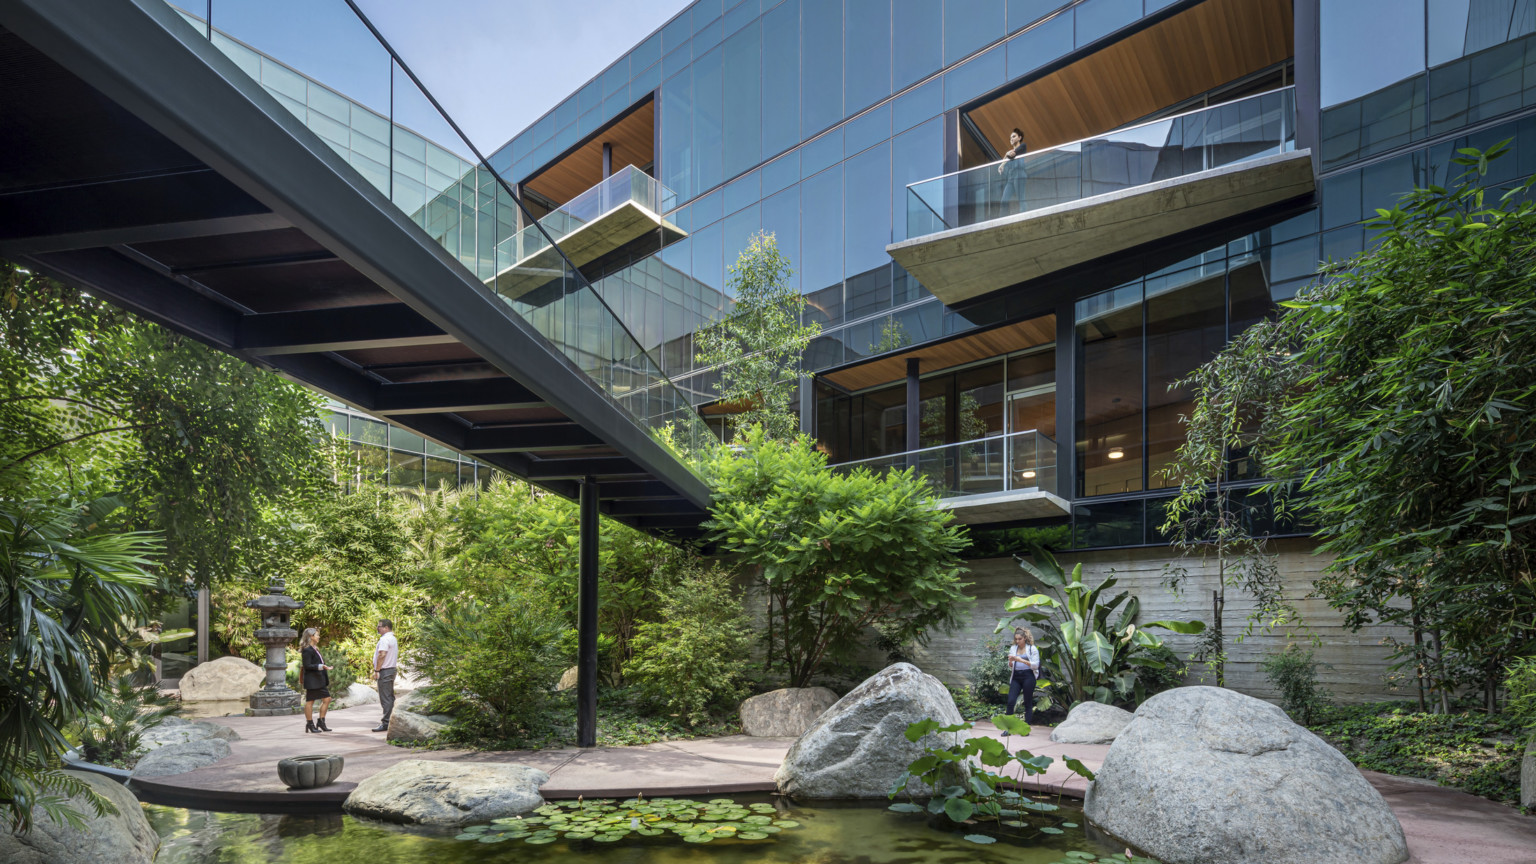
(956, 352)
(1193, 52)
(633, 137)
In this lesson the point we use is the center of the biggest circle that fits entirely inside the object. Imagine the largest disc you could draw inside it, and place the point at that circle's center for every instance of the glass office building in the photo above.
(870, 137)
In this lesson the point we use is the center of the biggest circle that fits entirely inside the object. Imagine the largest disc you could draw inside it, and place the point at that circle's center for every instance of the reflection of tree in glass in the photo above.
(892, 337)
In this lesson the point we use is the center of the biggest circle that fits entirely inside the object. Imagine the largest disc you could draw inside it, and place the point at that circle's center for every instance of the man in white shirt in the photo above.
(385, 657)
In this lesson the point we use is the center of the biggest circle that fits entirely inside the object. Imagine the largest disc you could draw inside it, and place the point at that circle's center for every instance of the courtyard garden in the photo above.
(1387, 410)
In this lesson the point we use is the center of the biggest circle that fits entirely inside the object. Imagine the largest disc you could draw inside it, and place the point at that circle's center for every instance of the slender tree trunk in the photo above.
(1218, 600)
(1444, 697)
(768, 655)
(1418, 654)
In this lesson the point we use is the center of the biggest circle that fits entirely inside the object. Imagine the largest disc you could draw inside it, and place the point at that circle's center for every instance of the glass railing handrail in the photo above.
(627, 185)
(1121, 133)
(465, 205)
(974, 441)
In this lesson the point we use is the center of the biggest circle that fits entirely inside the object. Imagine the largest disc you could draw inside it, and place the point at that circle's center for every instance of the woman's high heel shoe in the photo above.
(309, 727)
(320, 724)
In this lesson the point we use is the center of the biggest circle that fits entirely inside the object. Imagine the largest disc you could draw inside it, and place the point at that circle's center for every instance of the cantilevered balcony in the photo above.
(1004, 478)
(604, 219)
(998, 225)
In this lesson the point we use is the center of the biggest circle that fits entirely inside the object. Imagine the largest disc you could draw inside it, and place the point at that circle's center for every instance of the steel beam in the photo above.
(601, 466)
(527, 439)
(386, 325)
(670, 507)
(586, 619)
(452, 397)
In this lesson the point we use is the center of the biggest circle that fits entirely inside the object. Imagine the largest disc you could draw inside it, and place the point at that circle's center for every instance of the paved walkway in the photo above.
(1443, 826)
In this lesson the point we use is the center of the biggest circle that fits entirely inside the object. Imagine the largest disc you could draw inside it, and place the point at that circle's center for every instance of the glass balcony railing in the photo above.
(1173, 147)
(397, 137)
(628, 185)
(1016, 461)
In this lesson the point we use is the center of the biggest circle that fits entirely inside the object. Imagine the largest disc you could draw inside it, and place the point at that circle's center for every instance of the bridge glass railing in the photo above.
(1172, 147)
(374, 112)
(1002, 463)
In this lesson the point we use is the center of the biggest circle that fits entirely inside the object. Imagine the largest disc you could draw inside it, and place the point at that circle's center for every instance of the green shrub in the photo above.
(343, 674)
(110, 735)
(1293, 672)
(690, 662)
(1154, 680)
(989, 675)
(1520, 689)
(497, 660)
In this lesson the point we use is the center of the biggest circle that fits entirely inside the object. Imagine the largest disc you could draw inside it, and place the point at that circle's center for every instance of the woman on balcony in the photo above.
(1011, 200)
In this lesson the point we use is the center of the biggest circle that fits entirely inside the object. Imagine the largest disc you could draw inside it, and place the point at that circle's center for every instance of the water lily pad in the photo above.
(980, 838)
(768, 829)
(768, 820)
(1070, 825)
(718, 801)
(649, 832)
(1050, 830)
(607, 838)
(1083, 856)
(787, 823)
(907, 807)
(580, 835)
(752, 835)
(467, 836)
(698, 838)
(493, 838)
(538, 839)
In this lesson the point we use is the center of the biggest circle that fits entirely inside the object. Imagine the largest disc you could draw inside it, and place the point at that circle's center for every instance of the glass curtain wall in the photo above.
(387, 454)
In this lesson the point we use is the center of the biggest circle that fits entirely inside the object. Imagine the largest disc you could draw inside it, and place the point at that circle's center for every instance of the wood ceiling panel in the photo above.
(1193, 52)
(956, 352)
(634, 143)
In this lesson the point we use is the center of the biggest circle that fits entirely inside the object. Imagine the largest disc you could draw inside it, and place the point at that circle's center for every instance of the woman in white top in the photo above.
(1024, 666)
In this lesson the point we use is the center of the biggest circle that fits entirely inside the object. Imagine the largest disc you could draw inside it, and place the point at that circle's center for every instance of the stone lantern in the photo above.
(276, 633)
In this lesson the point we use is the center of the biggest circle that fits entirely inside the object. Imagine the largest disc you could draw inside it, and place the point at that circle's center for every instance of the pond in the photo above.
(824, 834)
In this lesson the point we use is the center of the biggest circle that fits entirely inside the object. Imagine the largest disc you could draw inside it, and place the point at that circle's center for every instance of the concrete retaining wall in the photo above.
(1356, 662)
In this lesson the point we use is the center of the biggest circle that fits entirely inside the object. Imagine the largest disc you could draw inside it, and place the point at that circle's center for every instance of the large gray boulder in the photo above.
(355, 694)
(1091, 723)
(406, 727)
(180, 758)
(785, 713)
(122, 838)
(420, 792)
(174, 730)
(1528, 776)
(858, 747)
(1203, 775)
(222, 679)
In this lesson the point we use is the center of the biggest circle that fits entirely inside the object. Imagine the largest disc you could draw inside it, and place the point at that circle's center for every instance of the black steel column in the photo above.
(607, 160)
(586, 620)
(807, 406)
(914, 409)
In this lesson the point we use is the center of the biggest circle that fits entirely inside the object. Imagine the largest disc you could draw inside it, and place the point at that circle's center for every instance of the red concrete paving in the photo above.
(1443, 826)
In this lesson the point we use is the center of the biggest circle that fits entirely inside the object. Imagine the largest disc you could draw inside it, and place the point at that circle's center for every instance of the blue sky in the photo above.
(497, 65)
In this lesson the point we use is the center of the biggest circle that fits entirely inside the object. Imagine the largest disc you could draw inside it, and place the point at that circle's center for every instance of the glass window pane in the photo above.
(1109, 345)
(676, 169)
(781, 217)
(1186, 326)
(868, 45)
(1040, 45)
(970, 25)
(405, 469)
(708, 95)
(822, 152)
(821, 230)
(916, 155)
(781, 78)
(1352, 66)
(821, 36)
(441, 472)
(1120, 523)
(917, 105)
(743, 100)
(1022, 13)
(974, 77)
(867, 129)
(917, 49)
(1099, 18)
(370, 431)
(868, 176)
(400, 439)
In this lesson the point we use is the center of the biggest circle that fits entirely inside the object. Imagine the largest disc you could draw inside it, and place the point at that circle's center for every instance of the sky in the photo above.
(498, 65)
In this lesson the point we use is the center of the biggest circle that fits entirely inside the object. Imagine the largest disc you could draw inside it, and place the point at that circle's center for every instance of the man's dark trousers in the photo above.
(387, 692)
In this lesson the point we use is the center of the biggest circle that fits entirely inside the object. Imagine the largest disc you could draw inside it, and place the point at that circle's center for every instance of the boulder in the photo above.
(568, 679)
(217, 730)
(420, 792)
(406, 727)
(122, 838)
(1091, 723)
(174, 730)
(355, 694)
(411, 700)
(222, 679)
(1528, 776)
(181, 758)
(785, 713)
(858, 747)
(1203, 775)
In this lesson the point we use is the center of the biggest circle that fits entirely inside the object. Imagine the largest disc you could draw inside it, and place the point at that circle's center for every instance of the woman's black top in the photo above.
(314, 678)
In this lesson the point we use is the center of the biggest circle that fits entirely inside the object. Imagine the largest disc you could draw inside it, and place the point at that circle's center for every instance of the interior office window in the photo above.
(832, 421)
(743, 100)
(405, 469)
(370, 431)
(1118, 523)
(917, 41)
(821, 40)
(441, 472)
(867, 43)
(1186, 326)
(979, 402)
(935, 424)
(1109, 415)
(1367, 45)
(781, 77)
(868, 209)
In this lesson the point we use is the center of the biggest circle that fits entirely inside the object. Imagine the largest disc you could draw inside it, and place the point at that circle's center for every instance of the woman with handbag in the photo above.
(316, 678)
(1023, 668)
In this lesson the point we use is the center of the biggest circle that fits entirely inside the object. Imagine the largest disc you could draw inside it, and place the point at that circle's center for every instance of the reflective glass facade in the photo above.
(389, 454)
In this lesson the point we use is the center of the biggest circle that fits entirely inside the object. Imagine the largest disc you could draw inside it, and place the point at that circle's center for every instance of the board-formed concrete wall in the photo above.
(1355, 663)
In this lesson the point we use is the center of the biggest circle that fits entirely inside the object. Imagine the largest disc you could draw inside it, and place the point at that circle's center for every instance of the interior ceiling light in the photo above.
(1116, 453)
(1029, 475)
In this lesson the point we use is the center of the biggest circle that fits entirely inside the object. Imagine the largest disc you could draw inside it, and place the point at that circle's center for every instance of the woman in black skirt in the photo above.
(316, 677)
